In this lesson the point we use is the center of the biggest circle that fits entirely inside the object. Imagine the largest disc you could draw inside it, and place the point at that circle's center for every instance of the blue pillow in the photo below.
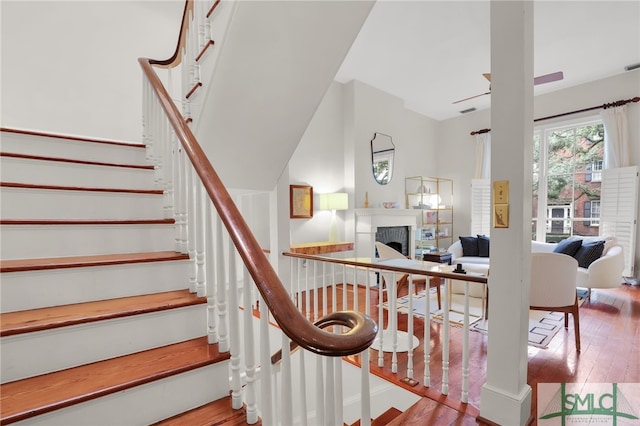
(483, 246)
(469, 246)
(588, 253)
(567, 246)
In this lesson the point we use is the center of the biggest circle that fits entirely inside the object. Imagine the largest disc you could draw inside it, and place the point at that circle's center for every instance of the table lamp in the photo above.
(334, 201)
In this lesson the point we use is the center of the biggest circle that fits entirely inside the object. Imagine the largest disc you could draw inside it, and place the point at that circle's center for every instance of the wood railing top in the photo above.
(417, 267)
(361, 329)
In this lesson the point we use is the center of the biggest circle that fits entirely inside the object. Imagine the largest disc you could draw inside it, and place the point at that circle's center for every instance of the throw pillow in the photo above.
(568, 246)
(588, 253)
(469, 246)
(483, 246)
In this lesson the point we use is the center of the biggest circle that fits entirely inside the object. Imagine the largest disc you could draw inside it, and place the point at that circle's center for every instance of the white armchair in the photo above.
(386, 252)
(553, 288)
(605, 272)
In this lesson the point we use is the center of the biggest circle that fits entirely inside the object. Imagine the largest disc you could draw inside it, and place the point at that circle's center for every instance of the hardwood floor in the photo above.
(610, 338)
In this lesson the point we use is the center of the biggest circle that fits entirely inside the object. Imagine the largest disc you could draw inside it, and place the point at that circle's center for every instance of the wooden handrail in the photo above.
(361, 328)
(175, 59)
(476, 278)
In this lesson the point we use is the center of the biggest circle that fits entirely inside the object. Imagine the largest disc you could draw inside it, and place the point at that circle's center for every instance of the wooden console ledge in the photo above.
(321, 247)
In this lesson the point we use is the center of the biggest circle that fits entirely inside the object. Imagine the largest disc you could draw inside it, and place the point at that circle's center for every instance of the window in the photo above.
(567, 171)
(592, 210)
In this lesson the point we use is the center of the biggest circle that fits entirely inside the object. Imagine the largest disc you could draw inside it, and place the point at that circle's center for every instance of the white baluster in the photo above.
(344, 288)
(316, 306)
(329, 396)
(286, 391)
(365, 389)
(234, 330)
(191, 225)
(410, 329)
(334, 289)
(320, 409)
(302, 404)
(393, 321)
(167, 162)
(445, 338)
(177, 193)
(426, 343)
(249, 350)
(207, 26)
(221, 291)
(182, 205)
(307, 298)
(381, 317)
(266, 396)
(324, 289)
(355, 288)
(200, 236)
(212, 330)
(338, 397)
(465, 347)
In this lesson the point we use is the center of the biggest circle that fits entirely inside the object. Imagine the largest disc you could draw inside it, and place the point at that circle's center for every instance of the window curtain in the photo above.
(483, 156)
(616, 137)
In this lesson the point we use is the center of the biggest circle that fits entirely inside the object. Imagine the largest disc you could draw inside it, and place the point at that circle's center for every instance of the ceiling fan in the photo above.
(542, 79)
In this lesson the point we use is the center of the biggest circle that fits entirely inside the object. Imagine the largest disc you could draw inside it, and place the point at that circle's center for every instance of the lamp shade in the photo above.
(334, 201)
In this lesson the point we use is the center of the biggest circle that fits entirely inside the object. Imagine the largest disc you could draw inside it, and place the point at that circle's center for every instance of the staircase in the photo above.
(98, 324)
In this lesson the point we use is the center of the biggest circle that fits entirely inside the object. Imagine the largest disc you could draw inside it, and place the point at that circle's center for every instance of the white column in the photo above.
(506, 397)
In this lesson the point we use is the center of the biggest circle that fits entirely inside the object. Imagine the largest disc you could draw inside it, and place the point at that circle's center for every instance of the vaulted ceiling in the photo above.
(432, 53)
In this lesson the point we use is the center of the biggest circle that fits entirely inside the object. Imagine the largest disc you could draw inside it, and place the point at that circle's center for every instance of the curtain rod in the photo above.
(603, 106)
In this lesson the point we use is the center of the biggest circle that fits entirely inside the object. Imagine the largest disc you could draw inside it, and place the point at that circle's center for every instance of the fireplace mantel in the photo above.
(369, 220)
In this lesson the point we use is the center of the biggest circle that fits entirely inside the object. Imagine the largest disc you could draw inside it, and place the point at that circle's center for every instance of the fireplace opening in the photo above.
(396, 237)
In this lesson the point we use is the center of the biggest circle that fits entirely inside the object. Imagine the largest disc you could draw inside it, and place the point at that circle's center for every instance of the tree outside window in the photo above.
(568, 161)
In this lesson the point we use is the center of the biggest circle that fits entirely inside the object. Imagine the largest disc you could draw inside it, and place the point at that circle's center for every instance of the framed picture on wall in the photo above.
(300, 201)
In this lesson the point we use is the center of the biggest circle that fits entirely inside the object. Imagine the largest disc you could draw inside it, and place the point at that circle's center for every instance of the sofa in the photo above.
(604, 271)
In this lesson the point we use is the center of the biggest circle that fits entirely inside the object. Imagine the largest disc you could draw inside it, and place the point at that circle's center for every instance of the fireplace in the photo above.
(387, 226)
(396, 237)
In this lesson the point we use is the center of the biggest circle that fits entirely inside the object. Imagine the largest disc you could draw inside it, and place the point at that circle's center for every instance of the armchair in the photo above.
(605, 272)
(386, 252)
(553, 287)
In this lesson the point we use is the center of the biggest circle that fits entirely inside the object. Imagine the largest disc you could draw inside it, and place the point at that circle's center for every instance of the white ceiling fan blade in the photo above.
(541, 79)
(548, 78)
(472, 97)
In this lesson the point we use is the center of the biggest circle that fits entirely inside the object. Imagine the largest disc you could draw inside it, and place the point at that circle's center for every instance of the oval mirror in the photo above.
(382, 150)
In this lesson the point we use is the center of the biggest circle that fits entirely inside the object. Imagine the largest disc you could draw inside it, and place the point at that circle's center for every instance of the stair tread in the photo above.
(79, 188)
(74, 138)
(18, 265)
(20, 322)
(74, 161)
(214, 413)
(86, 221)
(41, 394)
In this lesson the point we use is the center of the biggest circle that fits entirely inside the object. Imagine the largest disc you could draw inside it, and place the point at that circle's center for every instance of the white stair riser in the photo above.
(73, 174)
(55, 287)
(38, 241)
(27, 203)
(144, 404)
(42, 352)
(77, 150)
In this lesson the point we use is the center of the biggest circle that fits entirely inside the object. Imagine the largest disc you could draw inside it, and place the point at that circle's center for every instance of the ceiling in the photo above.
(431, 53)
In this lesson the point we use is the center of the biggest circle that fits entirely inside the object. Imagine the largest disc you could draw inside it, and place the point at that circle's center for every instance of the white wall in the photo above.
(318, 161)
(71, 66)
(334, 154)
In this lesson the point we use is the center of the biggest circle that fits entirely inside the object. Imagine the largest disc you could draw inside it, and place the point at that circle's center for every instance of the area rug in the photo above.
(543, 326)
(456, 311)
